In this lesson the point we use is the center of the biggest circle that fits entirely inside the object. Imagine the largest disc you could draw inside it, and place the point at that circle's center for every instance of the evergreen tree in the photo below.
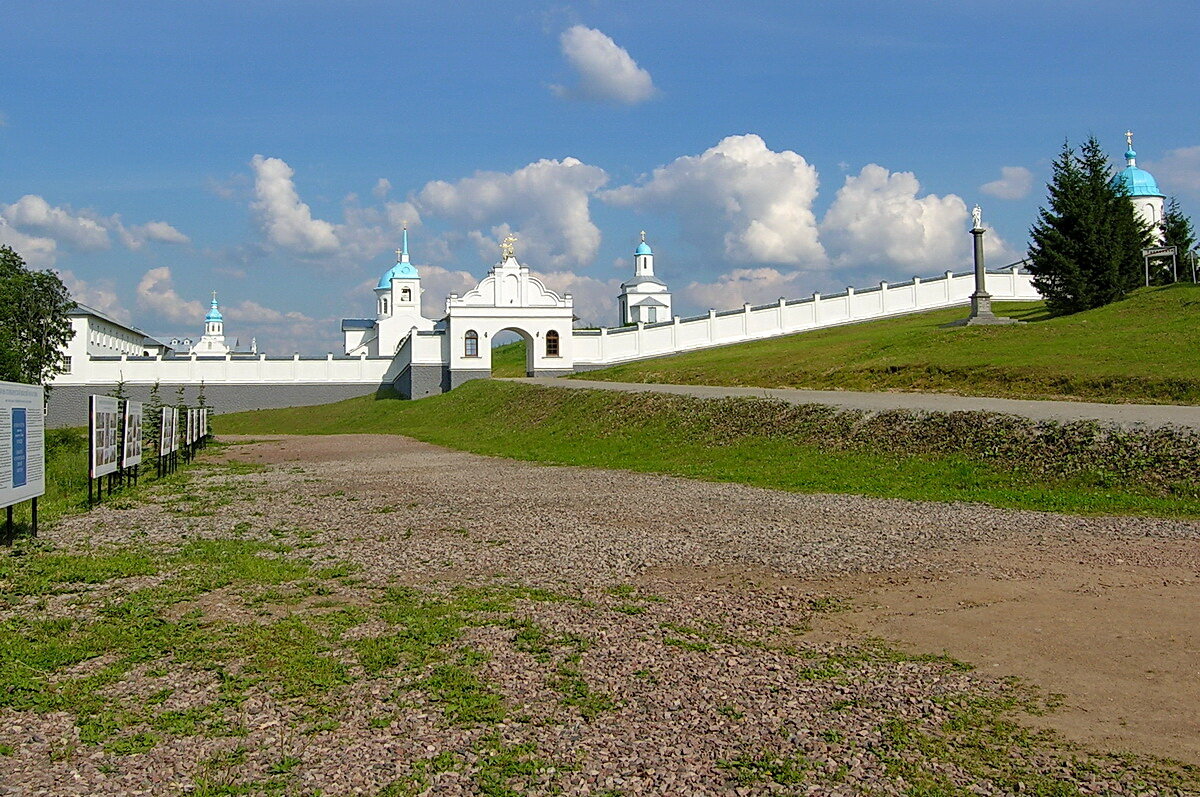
(33, 317)
(1178, 232)
(1087, 244)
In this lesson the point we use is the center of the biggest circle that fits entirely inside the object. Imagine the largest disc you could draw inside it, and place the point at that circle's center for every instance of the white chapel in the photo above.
(644, 297)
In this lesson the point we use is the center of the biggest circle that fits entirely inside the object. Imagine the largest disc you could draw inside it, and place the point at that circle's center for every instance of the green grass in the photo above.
(1141, 349)
(509, 360)
(67, 480)
(660, 434)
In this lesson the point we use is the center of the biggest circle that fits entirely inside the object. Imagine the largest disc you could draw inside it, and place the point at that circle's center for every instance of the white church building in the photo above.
(644, 297)
(1143, 191)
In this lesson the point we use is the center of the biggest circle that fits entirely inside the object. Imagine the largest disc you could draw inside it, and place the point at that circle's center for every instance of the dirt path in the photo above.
(372, 615)
(1105, 612)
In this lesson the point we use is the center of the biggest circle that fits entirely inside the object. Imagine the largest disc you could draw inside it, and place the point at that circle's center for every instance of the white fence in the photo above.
(592, 348)
(609, 346)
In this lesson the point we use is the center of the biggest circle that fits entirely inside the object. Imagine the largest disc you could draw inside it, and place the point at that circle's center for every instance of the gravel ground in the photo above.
(694, 686)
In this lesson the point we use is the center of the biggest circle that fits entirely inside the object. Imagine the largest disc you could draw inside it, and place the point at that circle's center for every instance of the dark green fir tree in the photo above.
(1087, 243)
(1179, 233)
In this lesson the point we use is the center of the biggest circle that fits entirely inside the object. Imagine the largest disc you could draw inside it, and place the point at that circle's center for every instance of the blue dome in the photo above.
(398, 271)
(643, 249)
(213, 313)
(1138, 182)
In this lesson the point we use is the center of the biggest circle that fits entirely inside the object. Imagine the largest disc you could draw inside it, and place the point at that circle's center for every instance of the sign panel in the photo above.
(1158, 251)
(22, 443)
(174, 431)
(104, 417)
(190, 435)
(203, 422)
(131, 450)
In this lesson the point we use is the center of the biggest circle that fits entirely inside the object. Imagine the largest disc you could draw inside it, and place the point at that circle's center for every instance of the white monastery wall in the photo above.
(599, 348)
(580, 349)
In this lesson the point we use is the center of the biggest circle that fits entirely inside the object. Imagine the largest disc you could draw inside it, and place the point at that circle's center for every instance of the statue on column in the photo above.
(977, 218)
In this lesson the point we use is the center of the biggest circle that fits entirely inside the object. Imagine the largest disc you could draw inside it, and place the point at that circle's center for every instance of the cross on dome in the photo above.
(508, 247)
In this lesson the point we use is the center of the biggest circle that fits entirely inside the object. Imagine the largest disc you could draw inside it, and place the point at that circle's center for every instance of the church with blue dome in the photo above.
(1142, 189)
(397, 310)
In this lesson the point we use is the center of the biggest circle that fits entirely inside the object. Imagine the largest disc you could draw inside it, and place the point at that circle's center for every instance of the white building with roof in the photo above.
(1143, 191)
(397, 311)
(644, 297)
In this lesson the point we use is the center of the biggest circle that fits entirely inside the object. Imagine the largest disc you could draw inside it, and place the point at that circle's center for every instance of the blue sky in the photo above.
(154, 151)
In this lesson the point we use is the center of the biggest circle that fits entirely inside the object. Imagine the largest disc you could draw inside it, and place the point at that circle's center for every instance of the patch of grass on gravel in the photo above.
(749, 769)
(979, 457)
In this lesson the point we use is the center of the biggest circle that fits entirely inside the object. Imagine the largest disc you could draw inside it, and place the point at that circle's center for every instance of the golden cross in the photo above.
(508, 247)
(1129, 138)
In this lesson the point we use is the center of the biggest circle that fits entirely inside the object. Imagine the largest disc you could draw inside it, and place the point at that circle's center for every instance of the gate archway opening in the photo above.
(512, 353)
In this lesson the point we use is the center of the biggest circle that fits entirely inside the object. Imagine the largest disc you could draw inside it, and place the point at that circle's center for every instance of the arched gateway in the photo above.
(459, 347)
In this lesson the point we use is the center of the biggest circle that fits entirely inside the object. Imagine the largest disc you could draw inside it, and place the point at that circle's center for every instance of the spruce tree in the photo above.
(1179, 233)
(1087, 243)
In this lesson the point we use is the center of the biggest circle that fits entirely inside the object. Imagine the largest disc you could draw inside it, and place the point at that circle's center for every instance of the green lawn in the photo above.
(690, 437)
(1143, 349)
(509, 360)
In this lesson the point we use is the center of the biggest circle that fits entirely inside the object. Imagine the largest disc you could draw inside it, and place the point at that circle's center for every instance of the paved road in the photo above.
(1123, 414)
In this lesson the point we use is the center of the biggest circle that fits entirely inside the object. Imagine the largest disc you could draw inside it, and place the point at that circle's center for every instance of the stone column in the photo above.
(981, 300)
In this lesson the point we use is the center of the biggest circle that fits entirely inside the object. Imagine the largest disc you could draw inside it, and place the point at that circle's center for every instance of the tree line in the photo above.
(1086, 245)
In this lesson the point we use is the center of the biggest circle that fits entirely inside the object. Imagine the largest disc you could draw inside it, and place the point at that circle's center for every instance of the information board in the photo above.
(104, 419)
(22, 443)
(203, 422)
(164, 432)
(173, 438)
(131, 451)
(190, 434)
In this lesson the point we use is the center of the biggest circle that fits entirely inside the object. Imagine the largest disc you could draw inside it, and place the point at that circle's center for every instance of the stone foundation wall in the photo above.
(68, 404)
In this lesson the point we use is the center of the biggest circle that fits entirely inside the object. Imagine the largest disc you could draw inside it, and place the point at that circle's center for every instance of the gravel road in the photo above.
(691, 604)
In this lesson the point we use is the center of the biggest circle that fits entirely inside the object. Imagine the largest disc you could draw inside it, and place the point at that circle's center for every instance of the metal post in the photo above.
(33, 517)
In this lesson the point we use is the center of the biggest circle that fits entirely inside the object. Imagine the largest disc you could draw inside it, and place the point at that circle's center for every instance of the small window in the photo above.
(653, 315)
(552, 344)
(406, 295)
(471, 344)
(66, 365)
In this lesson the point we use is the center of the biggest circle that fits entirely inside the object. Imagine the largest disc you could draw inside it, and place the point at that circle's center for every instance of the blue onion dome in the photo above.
(213, 313)
(1137, 182)
(643, 247)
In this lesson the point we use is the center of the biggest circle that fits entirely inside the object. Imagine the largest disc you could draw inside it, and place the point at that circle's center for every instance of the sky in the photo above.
(272, 150)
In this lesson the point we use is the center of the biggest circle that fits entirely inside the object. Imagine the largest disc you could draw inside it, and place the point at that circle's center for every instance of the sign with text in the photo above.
(1159, 251)
(22, 443)
(131, 450)
(104, 441)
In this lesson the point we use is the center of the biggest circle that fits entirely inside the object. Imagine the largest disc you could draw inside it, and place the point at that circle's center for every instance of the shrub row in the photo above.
(1165, 460)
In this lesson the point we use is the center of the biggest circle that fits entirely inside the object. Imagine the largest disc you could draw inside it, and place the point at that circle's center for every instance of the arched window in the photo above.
(552, 344)
(471, 344)
(406, 295)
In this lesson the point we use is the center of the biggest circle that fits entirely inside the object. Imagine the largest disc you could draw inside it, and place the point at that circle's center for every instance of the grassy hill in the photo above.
(1143, 349)
(960, 457)
(509, 360)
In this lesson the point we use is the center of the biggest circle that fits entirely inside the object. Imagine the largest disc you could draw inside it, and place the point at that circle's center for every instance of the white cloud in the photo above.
(101, 295)
(36, 251)
(159, 231)
(437, 283)
(606, 70)
(286, 221)
(751, 204)
(742, 285)
(382, 187)
(877, 218)
(546, 203)
(594, 300)
(33, 213)
(156, 293)
(1014, 183)
(1179, 169)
